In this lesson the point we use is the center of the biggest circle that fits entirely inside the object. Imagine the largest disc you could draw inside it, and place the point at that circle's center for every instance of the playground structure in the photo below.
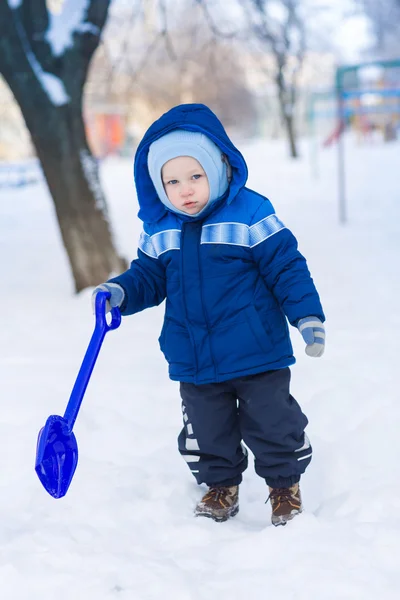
(370, 104)
(366, 100)
(105, 129)
(368, 95)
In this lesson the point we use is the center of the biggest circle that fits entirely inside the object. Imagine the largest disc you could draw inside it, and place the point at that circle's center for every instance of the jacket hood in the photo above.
(192, 117)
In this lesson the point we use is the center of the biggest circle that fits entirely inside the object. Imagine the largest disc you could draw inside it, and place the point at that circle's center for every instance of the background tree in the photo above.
(152, 60)
(197, 67)
(384, 16)
(281, 31)
(277, 28)
(44, 58)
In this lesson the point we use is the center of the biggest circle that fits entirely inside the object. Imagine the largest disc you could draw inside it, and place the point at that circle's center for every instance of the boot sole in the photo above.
(277, 521)
(216, 518)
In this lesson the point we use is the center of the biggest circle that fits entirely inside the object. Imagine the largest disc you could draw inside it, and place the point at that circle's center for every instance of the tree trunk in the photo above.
(71, 173)
(58, 134)
(287, 103)
(289, 124)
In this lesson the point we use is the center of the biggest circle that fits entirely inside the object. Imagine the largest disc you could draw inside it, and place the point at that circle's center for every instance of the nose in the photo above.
(186, 190)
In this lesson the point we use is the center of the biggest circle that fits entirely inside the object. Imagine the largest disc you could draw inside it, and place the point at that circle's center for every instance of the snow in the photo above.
(59, 35)
(125, 529)
(52, 85)
(19, 173)
(62, 25)
(91, 170)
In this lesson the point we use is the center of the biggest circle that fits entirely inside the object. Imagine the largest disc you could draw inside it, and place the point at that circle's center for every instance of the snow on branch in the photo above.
(70, 20)
(52, 85)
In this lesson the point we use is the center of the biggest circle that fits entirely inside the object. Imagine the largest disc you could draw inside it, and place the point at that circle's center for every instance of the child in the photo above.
(231, 274)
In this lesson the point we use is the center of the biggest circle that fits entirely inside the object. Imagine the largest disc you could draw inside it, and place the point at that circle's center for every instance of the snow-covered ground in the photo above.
(125, 529)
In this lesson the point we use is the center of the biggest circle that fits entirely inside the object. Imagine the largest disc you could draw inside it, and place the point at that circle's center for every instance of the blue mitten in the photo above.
(116, 298)
(313, 331)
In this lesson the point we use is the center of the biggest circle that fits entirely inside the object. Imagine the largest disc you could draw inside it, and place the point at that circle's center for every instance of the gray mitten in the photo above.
(313, 331)
(116, 298)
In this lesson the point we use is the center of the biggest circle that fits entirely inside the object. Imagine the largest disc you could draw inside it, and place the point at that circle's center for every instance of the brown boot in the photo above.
(219, 503)
(285, 503)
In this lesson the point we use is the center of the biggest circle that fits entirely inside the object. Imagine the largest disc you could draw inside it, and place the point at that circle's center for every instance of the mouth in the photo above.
(190, 204)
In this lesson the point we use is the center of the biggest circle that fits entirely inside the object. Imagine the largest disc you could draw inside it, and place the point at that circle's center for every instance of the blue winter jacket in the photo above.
(230, 277)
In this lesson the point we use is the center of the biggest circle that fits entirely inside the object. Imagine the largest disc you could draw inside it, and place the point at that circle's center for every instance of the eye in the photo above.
(172, 182)
(197, 176)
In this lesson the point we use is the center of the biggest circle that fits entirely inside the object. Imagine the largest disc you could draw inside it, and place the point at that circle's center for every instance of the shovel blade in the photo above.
(56, 456)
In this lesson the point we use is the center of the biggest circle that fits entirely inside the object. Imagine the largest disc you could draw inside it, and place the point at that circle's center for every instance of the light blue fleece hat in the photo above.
(181, 142)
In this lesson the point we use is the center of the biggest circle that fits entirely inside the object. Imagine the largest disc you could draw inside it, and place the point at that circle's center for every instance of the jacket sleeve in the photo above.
(144, 283)
(282, 267)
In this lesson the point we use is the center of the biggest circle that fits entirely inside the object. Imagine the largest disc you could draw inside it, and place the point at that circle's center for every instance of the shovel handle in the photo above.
(92, 352)
(100, 313)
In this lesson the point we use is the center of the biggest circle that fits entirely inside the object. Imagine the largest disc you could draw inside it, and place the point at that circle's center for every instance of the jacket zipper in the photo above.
(203, 304)
(183, 233)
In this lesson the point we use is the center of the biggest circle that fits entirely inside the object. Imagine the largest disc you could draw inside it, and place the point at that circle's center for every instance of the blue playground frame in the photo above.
(343, 112)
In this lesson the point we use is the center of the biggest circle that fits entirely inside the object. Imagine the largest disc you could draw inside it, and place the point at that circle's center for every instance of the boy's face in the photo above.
(186, 184)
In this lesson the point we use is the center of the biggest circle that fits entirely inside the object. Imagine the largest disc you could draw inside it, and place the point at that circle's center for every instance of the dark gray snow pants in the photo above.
(258, 410)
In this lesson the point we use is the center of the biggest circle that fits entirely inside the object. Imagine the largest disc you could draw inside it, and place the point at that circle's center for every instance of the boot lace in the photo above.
(215, 493)
(280, 494)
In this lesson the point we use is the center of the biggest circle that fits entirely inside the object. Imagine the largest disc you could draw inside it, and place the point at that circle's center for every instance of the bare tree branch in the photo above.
(164, 31)
(211, 23)
(138, 69)
(384, 17)
(285, 39)
(124, 50)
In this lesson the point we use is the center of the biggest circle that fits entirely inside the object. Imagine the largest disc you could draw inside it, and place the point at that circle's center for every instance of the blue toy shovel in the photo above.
(57, 449)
